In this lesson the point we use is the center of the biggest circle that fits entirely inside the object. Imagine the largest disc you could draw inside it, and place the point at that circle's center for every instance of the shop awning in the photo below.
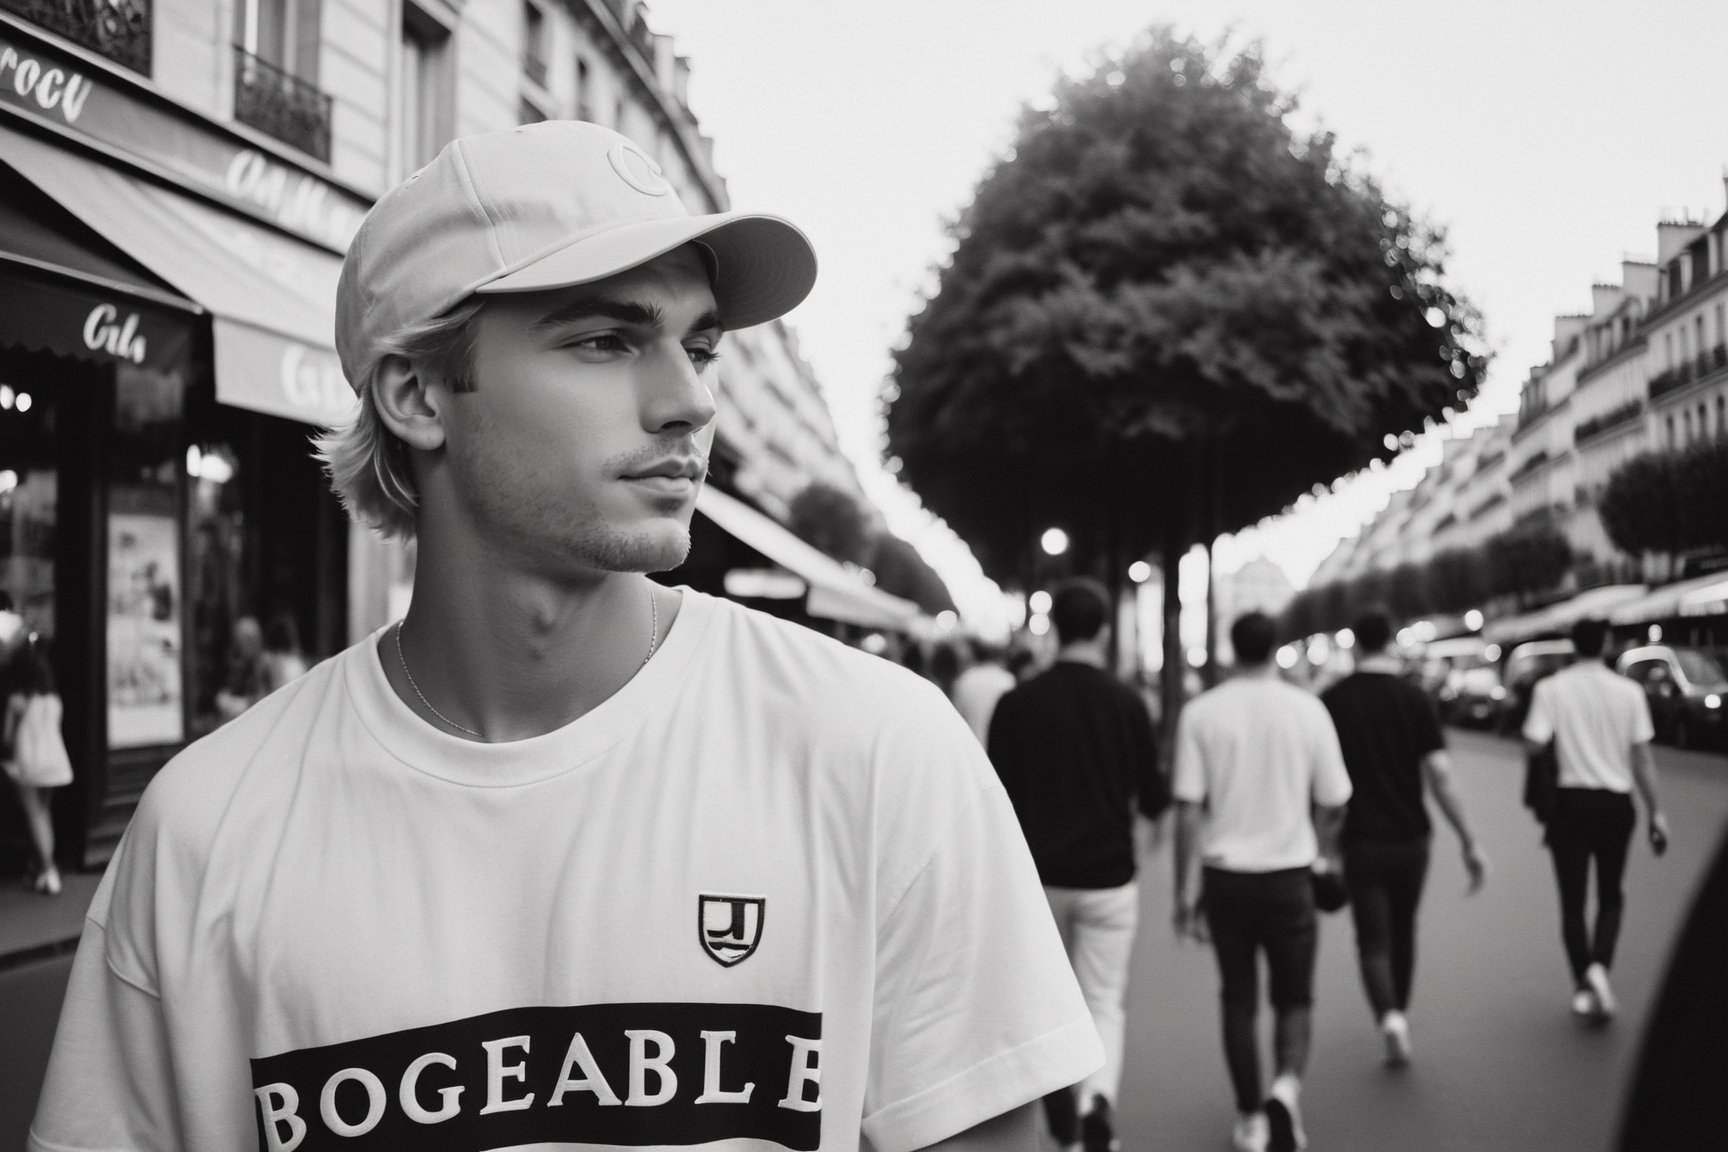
(272, 298)
(835, 594)
(1699, 596)
(1558, 617)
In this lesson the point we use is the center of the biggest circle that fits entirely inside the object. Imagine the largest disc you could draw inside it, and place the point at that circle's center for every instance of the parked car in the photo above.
(1472, 696)
(1687, 691)
(1526, 664)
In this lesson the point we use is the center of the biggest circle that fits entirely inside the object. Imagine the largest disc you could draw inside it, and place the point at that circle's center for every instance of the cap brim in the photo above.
(765, 266)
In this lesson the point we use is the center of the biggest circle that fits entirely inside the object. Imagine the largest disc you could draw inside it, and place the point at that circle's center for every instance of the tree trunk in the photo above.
(1170, 680)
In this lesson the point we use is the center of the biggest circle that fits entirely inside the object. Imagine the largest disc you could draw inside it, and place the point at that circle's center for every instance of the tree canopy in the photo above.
(1168, 314)
(1669, 502)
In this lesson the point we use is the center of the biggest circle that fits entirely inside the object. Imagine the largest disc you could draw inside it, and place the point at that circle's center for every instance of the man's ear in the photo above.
(408, 405)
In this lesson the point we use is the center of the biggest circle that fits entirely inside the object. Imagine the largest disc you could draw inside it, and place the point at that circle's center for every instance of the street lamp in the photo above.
(1054, 541)
(1039, 602)
(1473, 620)
(1139, 571)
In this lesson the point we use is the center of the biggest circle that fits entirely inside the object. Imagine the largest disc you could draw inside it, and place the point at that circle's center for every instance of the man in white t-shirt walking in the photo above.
(1260, 786)
(566, 858)
(1600, 724)
(979, 688)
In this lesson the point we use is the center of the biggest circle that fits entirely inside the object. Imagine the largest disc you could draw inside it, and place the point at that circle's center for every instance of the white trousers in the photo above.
(1097, 927)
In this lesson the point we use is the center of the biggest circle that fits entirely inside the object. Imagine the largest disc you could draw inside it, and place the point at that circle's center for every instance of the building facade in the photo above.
(178, 182)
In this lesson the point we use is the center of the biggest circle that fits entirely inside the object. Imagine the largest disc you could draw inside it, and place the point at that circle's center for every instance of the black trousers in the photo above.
(1385, 879)
(1249, 913)
(1590, 826)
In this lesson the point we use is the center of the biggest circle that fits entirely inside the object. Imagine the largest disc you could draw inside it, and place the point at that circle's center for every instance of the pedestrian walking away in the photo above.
(1395, 753)
(1076, 751)
(564, 858)
(1600, 726)
(1260, 789)
(981, 687)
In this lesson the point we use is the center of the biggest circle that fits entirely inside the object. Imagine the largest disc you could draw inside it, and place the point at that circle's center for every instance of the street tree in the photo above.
(1527, 559)
(901, 571)
(831, 520)
(1168, 314)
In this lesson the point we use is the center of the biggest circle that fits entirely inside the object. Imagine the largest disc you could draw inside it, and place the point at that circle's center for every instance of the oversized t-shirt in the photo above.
(1594, 715)
(1386, 729)
(1257, 752)
(769, 894)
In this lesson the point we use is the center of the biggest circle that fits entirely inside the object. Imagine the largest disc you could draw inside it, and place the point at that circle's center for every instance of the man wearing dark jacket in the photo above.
(1076, 753)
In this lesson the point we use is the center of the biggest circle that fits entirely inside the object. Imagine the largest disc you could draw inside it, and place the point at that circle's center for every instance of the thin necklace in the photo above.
(653, 641)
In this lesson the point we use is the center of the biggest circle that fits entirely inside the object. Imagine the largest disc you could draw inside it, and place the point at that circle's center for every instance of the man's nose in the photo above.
(675, 397)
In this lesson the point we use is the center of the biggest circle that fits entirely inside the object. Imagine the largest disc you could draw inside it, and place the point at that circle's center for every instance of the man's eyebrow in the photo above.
(624, 311)
(587, 307)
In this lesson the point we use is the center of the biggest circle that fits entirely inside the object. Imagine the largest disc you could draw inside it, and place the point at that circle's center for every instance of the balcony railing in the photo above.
(1613, 418)
(117, 29)
(281, 105)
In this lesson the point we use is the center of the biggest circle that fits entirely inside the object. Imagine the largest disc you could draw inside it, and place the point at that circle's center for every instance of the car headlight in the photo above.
(1713, 701)
(1497, 692)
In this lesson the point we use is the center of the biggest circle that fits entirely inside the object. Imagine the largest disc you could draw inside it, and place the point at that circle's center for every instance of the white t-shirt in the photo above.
(1594, 715)
(769, 893)
(1258, 752)
(976, 692)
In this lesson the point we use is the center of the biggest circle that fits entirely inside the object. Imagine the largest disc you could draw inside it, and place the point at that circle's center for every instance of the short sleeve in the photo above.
(976, 1009)
(1643, 728)
(110, 1082)
(1430, 736)
(1331, 778)
(1189, 776)
(1539, 724)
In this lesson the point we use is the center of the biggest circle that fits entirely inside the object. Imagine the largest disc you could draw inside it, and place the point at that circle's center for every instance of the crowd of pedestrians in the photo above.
(1288, 802)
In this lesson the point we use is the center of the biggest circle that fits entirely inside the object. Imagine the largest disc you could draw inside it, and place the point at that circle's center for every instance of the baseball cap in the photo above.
(547, 205)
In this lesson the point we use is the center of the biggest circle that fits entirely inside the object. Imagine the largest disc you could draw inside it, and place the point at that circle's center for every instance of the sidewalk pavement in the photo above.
(33, 926)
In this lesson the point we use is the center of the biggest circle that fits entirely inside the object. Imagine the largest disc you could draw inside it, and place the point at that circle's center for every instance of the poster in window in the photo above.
(144, 689)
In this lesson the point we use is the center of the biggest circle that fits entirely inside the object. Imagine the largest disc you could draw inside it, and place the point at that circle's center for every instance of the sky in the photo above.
(1547, 137)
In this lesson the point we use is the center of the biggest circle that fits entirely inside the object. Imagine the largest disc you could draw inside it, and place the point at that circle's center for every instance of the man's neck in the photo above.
(1082, 652)
(1266, 670)
(512, 655)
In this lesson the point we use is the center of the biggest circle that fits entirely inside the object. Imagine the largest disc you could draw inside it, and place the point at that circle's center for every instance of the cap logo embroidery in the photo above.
(637, 170)
(729, 927)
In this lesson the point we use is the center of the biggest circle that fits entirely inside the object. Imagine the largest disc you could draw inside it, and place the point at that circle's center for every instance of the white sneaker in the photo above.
(1597, 977)
(1284, 1117)
(1395, 1030)
(1250, 1133)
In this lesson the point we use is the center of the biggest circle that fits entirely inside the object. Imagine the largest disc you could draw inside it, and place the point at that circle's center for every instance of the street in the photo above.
(1499, 1062)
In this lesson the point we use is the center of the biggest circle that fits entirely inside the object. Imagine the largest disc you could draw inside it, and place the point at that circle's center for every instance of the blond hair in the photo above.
(368, 465)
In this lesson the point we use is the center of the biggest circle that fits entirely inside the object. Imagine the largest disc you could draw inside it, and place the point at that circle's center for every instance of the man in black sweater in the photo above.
(1077, 756)
(1394, 751)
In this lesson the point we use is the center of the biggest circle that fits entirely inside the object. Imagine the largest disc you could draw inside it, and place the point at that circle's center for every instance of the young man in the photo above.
(1075, 750)
(1600, 724)
(565, 859)
(1260, 791)
(1395, 752)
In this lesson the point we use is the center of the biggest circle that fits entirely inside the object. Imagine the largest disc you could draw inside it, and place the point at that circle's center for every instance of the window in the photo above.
(1667, 349)
(423, 102)
(1721, 330)
(1671, 441)
(534, 51)
(1685, 345)
(1686, 427)
(1721, 415)
(283, 33)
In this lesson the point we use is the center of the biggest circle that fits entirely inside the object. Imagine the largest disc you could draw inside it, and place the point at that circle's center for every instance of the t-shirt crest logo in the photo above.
(729, 927)
(637, 170)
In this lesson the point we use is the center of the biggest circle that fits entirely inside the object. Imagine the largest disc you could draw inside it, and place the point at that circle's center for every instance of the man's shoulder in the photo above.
(197, 788)
(790, 661)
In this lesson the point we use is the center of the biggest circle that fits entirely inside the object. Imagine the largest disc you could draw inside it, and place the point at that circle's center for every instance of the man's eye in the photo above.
(602, 342)
(702, 357)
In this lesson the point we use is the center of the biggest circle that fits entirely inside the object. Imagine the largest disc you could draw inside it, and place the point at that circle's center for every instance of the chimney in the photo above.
(1638, 278)
(1604, 298)
(1672, 236)
(1567, 329)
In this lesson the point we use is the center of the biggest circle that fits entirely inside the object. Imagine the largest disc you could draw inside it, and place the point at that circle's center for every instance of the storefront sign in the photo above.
(48, 86)
(105, 331)
(84, 323)
(144, 692)
(267, 372)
